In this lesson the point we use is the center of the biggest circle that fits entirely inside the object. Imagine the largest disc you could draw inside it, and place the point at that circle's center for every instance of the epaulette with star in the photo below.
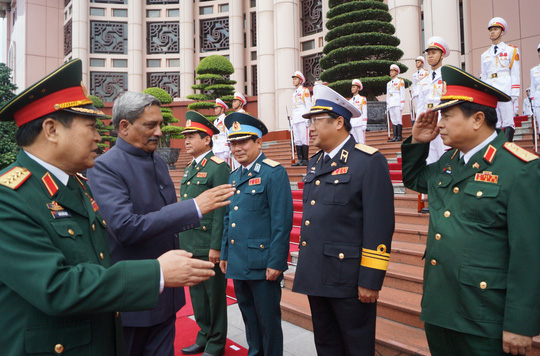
(15, 177)
(365, 148)
(271, 162)
(217, 160)
(519, 152)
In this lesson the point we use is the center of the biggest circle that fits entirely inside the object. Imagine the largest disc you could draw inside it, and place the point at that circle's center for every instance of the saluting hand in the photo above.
(367, 295)
(179, 269)
(425, 128)
(214, 198)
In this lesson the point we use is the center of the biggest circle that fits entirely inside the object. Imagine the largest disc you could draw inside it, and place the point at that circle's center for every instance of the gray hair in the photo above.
(130, 106)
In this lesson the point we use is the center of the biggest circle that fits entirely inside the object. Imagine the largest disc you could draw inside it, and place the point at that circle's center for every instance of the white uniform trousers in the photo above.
(505, 114)
(301, 133)
(395, 115)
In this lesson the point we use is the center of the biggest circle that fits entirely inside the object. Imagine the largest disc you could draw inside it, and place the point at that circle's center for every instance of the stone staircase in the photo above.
(399, 329)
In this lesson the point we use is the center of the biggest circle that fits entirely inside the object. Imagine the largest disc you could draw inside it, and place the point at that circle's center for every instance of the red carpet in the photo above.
(187, 329)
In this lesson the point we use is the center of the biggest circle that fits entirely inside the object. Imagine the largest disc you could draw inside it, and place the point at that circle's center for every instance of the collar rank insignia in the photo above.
(50, 184)
(203, 162)
(341, 170)
(486, 176)
(54, 206)
(255, 181)
(447, 169)
(202, 174)
(490, 153)
(344, 156)
(93, 202)
(257, 168)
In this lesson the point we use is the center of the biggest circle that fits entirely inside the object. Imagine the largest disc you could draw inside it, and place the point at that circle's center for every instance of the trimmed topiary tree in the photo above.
(169, 131)
(103, 129)
(8, 146)
(212, 72)
(361, 44)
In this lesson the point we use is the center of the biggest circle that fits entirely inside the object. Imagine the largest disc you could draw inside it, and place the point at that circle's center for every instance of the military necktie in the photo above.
(495, 49)
(433, 78)
(326, 160)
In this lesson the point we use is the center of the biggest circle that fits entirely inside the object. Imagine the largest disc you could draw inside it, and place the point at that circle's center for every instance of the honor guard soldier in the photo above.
(257, 225)
(208, 298)
(527, 103)
(535, 91)
(238, 102)
(221, 146)
(500, 68)
(395, 101)
(417, 77)
(59, 293)
(301, 103)
(347, 229)
(359, 124)
(481, 285)
(432, 87)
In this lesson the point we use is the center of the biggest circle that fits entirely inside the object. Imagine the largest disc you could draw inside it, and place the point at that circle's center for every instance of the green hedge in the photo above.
(335, 3)
(357, 27)
(364, 39)
(221, 87)
(199, 86)
(160, 94)
(209, 76)
(358, 69)
(215, 64)
(358, 16)
(96, 102)
(199, 97)
(201, 105)
(355, 6)
(348, 54)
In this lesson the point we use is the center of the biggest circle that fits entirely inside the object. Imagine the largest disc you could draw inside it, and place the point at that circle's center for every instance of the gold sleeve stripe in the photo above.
(377, 259)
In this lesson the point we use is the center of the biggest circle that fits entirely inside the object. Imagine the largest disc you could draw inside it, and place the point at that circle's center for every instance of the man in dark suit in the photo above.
(481, 292)
(138, 199)
(256, 233)
(347, 229)
(59, 293)
(204, 172)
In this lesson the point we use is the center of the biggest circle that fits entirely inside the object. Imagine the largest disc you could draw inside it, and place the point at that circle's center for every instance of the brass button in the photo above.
(447, 214)
(198, 182)
(117, 314)
(232, 242)
(93, 227)
(198, 168)
(341, 256)
(236, 208)
(204, 228)
(456, 190)
(188, 183)
(304, 243)
(483, 285)
(253, 191)
(58, 348)
(440, 183)
(336, 181)
(434, 262)
(313, 202)
(185, 195)
(261, 246)
(438, 236)
(479, 193)
(317, 182)
(101, 255)
(233, 224)
(307, 223)
(238, 191)
(104, 223)
(71, 232)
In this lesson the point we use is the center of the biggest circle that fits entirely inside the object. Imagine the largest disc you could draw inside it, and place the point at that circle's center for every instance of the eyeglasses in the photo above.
(313, 120)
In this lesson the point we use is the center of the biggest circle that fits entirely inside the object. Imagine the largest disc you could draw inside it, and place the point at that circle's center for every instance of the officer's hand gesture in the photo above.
(223, 266)
(516, 344)
(367, 295)
(425, 128)
(272, 274)
(179, 269)
(214, 198)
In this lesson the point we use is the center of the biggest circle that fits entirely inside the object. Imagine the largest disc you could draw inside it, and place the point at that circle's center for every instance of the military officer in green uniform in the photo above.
(58, 292)
(208, 298)
(256, 231)
(481, 285)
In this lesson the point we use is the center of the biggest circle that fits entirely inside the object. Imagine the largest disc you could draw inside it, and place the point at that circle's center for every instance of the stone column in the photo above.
(81, 37)
(236, 42)
(441, 18)
(266, 64)
(136, 81)
(287, 59)
(187, 65)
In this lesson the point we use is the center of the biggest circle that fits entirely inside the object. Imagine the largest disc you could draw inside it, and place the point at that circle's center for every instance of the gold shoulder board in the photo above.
(15, 177)
(519, 152)
(365, 148)
(270, 162)
(217, 160)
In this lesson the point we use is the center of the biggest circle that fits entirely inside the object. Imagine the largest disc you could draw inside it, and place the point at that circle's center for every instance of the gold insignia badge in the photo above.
(54, 206)
(188, 123)
(333, 164)
(236, 126)
(344, 156)
(476, 165)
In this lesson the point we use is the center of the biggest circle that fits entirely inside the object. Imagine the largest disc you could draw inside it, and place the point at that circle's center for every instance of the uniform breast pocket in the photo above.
(487, 63)
(68, 339)
(336, 189)
(255, 197)
(480, 202)
(482, 293)
(341, 264)
(439, 188)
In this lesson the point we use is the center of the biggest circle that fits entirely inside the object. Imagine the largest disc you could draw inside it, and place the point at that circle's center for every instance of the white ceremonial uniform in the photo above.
(431, 90)
(527, 107)
(535, 93)
(500, 69)
(359, 124)
(221, 145)
(416, 88)
(301, 101)
(395, 99)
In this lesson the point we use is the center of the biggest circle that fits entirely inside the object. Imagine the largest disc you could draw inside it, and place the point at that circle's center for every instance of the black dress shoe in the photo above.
(193, 349)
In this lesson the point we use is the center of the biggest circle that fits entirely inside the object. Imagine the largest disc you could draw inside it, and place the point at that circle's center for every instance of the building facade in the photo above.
(135, 44)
